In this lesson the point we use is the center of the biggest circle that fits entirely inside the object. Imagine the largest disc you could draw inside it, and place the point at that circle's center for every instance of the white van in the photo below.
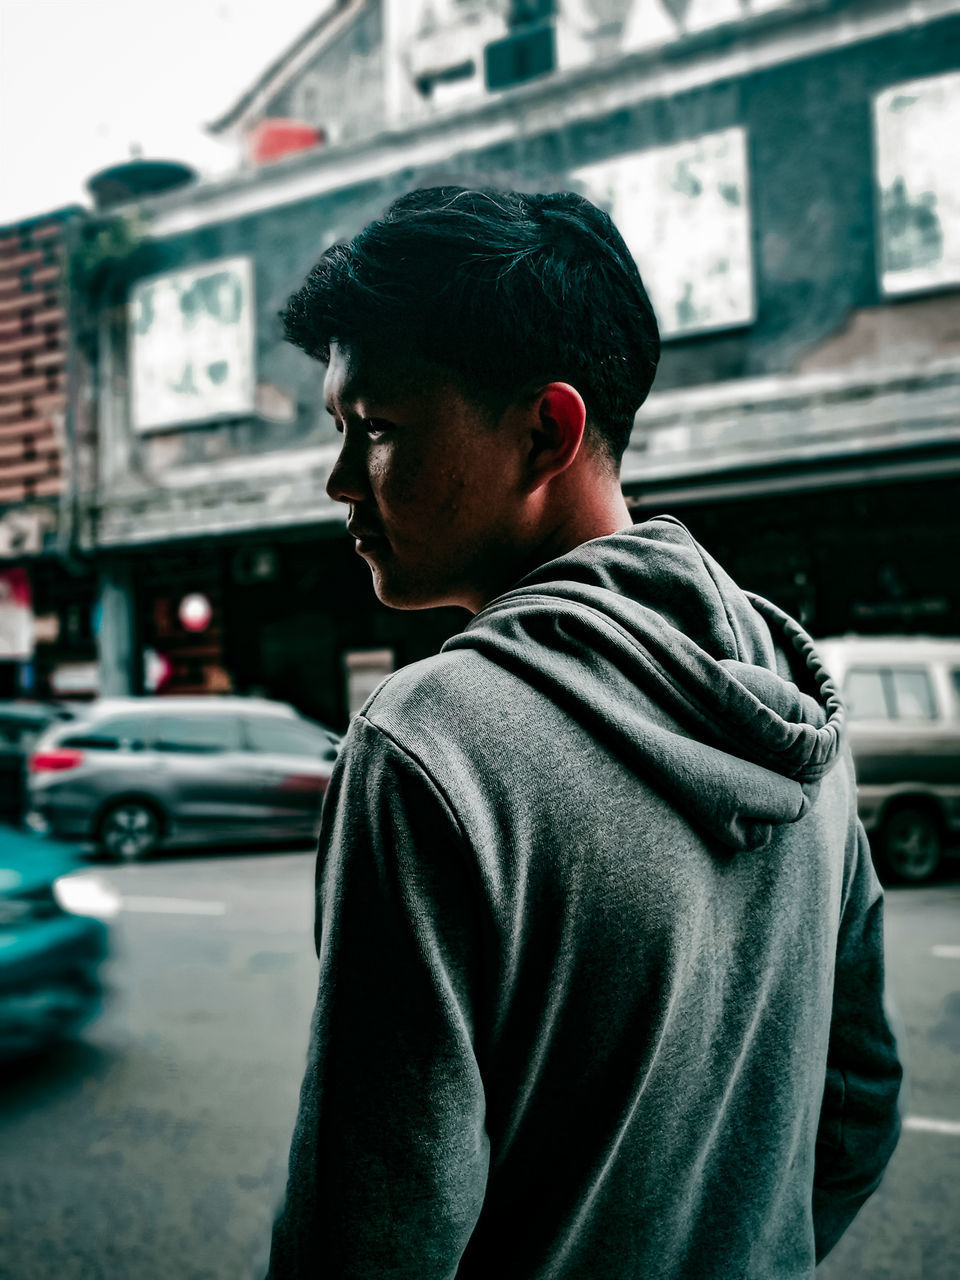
(903, 707)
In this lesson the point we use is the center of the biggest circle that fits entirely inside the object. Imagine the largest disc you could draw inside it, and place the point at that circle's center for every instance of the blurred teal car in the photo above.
(49, 957)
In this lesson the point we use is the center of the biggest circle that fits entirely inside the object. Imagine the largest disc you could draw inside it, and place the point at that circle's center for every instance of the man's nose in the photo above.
(347, 480)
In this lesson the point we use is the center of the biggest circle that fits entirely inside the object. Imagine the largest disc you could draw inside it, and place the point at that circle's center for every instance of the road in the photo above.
(156, 1146)
(910, 1229)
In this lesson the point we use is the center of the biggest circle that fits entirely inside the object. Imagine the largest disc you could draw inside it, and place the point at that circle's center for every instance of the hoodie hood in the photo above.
(713, 695)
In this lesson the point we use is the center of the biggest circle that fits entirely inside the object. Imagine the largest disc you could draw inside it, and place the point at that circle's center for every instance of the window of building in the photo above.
(918, 180)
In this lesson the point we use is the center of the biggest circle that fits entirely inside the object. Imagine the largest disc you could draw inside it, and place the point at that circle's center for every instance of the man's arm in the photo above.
(389, 1157)
(859, 1119)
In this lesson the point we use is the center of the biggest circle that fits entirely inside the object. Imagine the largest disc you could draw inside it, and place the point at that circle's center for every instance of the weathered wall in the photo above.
(812, 185)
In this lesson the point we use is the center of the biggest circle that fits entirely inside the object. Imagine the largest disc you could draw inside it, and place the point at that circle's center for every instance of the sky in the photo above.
(84, 83)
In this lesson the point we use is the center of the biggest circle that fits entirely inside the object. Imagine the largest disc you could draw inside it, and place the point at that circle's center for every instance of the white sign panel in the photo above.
(16, 615)
(917, 126)
(366, 668)
(684, 212)
(192, 345)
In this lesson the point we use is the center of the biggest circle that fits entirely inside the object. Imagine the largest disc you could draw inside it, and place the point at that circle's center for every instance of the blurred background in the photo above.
(185, 629)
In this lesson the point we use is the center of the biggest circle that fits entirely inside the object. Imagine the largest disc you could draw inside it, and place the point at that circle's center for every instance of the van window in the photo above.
(199, 733)
(955, 681)
(889, 693)
(865, 694)
(913, 694)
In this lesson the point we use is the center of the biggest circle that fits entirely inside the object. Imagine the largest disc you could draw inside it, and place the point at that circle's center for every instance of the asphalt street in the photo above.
(155, 1147)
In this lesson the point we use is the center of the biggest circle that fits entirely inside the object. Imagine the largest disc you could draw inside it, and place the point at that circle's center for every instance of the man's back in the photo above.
(585, 880)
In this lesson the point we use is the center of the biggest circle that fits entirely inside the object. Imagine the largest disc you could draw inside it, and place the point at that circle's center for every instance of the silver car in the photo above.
(131, 775)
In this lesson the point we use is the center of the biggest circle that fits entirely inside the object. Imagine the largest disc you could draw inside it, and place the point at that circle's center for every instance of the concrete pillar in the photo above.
(117, 633)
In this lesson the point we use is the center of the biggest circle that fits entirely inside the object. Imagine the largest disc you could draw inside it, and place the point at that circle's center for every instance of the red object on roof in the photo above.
(273, 139)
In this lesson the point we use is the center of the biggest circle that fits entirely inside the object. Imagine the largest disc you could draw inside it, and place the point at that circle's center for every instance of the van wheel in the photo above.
(911, 844)
(129, 831)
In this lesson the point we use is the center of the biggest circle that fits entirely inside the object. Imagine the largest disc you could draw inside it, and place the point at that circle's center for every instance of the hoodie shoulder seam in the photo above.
(412, 756)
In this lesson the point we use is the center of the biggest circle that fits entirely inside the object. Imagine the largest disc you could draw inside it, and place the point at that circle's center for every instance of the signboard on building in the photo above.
(684, 212)
(22, 531)
(74, 679)
(365, 668)
(16, 616)
(917, 125)
(192, 345)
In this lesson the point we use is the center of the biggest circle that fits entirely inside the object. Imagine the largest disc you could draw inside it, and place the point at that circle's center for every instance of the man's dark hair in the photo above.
(508, 291)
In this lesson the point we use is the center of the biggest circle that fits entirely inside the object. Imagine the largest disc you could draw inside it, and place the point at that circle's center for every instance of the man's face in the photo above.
(432, 482)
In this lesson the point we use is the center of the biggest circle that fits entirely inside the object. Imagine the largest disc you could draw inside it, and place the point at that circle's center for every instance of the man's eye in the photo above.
(376, 426)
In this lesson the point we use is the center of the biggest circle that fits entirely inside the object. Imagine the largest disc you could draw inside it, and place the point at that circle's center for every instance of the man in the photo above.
(601, 972)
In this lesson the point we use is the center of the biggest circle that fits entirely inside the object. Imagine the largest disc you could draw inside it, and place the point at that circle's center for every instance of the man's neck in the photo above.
(603, 514)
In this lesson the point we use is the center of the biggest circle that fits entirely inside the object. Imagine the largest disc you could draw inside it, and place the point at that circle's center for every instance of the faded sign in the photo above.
(918, 177)
(16, 615)
(73, 678)
(22, 532)
(684, 212)
(192, 345)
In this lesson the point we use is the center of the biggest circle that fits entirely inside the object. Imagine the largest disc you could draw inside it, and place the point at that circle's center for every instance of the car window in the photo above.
(955, 681)
(197, 733)
(289, 738)
(114, 733)
(865, 694)
(913, 694)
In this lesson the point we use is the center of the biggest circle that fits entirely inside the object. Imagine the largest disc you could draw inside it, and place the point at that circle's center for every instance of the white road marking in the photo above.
(923, 1124)
(174, 906)
(946, 952)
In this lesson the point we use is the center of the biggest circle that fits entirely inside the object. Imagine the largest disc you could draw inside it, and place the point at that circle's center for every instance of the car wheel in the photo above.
(129, 830)
(911, 844)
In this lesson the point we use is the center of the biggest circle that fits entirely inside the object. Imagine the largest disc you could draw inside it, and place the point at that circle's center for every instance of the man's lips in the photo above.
(365, 537)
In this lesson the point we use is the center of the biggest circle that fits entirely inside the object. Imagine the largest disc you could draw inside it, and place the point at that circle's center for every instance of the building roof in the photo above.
(278, 74)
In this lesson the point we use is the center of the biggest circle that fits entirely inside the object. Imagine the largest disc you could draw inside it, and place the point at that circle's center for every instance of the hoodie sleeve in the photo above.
(859, 1118)
(388, 1162)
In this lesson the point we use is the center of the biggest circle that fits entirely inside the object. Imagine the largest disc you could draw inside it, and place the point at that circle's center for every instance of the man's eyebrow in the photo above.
(350, 393)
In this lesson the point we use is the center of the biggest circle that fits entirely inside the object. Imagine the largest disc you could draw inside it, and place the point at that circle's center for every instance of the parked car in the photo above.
(903, 705)
(49, 957)
(133, 775)
(21, 723)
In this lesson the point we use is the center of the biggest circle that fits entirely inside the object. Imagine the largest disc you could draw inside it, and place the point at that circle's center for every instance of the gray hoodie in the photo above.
(600, 942)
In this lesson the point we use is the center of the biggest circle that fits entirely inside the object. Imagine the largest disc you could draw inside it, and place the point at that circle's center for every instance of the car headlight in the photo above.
(86, 895)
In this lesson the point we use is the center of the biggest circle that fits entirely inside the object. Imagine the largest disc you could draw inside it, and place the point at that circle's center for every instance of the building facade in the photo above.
(783, 174)
(47, 592)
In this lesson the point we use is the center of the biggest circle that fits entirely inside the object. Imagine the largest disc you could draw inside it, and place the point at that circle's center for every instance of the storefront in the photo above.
(284, 616)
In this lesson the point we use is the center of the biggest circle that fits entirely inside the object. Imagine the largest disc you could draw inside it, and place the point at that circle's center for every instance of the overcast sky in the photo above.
(83, 81)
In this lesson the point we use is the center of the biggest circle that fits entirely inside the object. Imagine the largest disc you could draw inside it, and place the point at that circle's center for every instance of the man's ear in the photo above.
(556, 423)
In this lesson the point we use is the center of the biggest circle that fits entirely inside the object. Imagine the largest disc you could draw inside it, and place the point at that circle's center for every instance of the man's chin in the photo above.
(396, 594)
